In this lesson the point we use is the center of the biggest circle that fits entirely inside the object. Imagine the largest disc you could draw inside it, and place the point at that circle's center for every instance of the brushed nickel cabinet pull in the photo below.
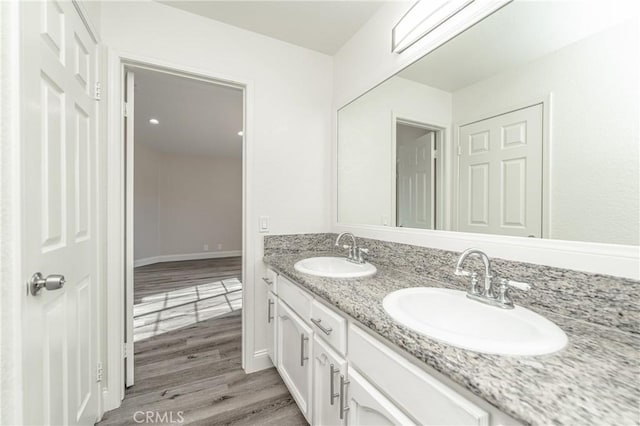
(269, 316)
(343, 391)
(332, 374)
(325, 330)
(303, 358)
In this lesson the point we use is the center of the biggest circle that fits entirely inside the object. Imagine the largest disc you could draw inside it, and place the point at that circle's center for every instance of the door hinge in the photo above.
(99, 372)
(124, 350)
(97, 91)
(125, 109)
(459, 150)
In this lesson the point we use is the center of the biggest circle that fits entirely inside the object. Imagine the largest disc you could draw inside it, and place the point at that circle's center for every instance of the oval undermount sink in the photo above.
(450, 317)
(334, 267)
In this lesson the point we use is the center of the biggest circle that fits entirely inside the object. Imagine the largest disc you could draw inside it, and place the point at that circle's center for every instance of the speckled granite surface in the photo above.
(602, 299)
(594, 380)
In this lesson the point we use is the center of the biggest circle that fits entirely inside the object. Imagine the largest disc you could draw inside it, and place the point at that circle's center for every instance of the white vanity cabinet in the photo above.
(365, 405)
(270, 281)
(341, 374)
(328, 366)
(294, 348)
(272, 314)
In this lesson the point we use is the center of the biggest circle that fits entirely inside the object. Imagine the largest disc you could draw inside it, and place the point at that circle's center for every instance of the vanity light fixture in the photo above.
(240, 133)
(154, 121)
(425, 16)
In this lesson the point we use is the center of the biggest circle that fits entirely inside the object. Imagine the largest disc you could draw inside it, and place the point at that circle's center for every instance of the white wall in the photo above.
(200, 203)
(365, 164)
(184, 201)
(365, 61)
(595, 180)
(290, 103)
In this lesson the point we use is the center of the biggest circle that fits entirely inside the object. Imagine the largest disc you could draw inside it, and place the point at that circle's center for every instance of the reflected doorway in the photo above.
(417, 174)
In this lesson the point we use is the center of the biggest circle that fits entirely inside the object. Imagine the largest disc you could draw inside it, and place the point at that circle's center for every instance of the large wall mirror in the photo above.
(526, 124)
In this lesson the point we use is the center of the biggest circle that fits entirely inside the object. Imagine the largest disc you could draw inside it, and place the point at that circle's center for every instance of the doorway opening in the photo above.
(418, 175)
(184, 213)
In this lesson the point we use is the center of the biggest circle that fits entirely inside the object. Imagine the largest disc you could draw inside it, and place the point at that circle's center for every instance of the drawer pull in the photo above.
(325, 330)
(303, 358)
(267, 280)
(332, 374)
(269, 316)
(343, 391)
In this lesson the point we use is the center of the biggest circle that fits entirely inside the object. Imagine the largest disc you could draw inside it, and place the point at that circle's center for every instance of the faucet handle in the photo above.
(360, 252)
(504, 298)
(515, 284)
(461, 273)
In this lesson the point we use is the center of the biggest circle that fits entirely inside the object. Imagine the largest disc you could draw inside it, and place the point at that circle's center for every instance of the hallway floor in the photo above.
(188, 361)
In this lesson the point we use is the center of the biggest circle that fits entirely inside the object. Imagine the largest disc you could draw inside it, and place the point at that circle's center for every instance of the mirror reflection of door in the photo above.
(416, 165)
(500, 174)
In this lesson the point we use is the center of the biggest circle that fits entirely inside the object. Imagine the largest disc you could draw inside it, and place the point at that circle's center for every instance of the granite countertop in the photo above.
(593, 380)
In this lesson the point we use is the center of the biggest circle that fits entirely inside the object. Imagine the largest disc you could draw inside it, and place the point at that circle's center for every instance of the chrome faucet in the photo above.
(356, 254)
(487, 294)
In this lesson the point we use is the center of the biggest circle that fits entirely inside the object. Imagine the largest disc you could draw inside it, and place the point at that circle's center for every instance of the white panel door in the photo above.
(294, 350)
(59, 225)
(327, 368)
(415, 177)
(367, 406)
(500, 174)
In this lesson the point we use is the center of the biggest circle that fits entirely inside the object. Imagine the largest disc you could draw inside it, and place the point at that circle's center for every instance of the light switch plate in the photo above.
(264, 224)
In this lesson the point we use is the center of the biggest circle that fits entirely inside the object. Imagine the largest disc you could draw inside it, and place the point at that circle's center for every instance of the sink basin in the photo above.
(450, 317)
(334, 267)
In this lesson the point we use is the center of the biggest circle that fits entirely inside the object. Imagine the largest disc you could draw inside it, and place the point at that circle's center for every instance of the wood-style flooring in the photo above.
(172, 295)
(192, 375)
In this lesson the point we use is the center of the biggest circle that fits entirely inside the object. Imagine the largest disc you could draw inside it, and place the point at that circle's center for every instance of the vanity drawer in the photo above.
(270, 279)
(295, 297)
(425, 398)
(329, 325)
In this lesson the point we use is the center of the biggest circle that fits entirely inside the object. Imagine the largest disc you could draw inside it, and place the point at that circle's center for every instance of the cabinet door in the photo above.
(271, 326)
(294, 350)
(327, 368)
(367, 406)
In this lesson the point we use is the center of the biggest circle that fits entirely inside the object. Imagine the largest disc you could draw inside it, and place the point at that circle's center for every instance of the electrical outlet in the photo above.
(219, 247)
(206, 247)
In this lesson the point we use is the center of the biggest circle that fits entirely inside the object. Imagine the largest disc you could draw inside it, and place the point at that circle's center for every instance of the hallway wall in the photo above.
(184, 201)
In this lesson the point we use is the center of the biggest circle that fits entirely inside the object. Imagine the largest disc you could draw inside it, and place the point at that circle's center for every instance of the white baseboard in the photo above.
(260, 361)
(188, 256)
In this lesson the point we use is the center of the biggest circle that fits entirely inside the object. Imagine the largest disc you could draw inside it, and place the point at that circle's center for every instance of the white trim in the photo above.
(115, 227)
(597, 258)
(187, 256)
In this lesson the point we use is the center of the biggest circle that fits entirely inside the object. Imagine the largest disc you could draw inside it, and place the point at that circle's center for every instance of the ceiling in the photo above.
(324, 26)
(195, 117)
(517, 34)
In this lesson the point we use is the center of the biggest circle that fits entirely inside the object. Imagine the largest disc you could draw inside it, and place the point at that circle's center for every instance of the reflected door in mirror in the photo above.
(500, 174)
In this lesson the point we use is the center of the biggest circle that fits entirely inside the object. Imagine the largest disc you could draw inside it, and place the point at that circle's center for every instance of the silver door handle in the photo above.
(343, 389)
(269, 316)
(325, 330)
(303, 358)
(267, 280)
(52, 282)
(332, 374)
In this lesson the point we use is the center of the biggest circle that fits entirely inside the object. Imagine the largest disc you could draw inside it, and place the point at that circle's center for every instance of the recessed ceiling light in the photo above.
(240, 133)
(154, 121)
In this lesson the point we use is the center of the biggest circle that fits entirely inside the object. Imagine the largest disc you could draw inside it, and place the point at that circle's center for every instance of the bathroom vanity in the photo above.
(346, 361)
